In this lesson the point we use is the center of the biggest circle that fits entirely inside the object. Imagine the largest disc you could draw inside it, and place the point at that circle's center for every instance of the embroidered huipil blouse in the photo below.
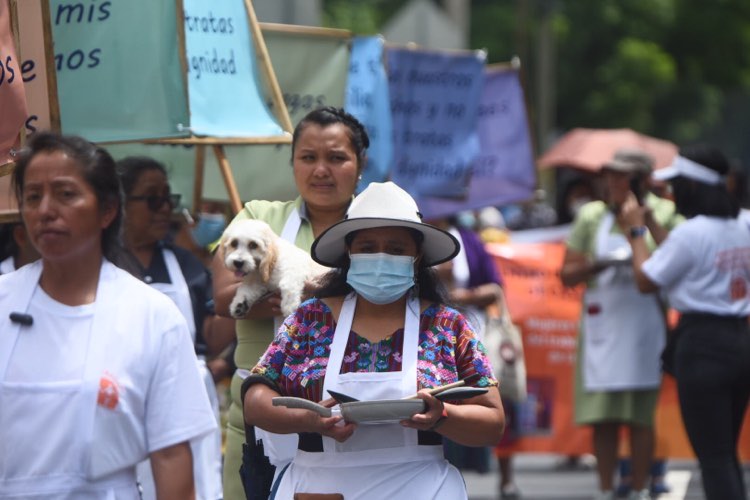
(296, 360)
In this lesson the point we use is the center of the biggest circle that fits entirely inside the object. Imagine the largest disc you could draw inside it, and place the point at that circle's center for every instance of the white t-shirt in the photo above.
(704, 266)
(153, 395)
(57, 341)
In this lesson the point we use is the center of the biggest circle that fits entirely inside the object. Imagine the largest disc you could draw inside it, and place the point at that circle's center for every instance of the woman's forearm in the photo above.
(260, 412)
(480, 424)
(173, 472)
(224, 285)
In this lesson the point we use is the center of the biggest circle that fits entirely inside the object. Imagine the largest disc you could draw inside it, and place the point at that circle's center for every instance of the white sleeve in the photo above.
(671, 260)
(177, 406)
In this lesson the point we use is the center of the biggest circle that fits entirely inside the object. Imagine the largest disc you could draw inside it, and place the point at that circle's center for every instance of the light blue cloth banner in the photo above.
(225, 98)
(367, 98)
(504, 171)
(434, 108)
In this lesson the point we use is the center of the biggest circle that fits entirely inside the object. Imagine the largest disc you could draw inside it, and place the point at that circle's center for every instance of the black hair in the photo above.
(97, 168)
(698, 198)
(8, 246)
(427, 284)
(130, 169)
(330, 115)
(564, 214)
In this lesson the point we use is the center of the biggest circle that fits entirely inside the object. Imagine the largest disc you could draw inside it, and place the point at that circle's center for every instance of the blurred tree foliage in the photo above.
(676, 69)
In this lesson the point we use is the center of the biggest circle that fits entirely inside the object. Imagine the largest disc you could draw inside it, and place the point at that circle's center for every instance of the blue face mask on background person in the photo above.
(209, 228)
(381, 278)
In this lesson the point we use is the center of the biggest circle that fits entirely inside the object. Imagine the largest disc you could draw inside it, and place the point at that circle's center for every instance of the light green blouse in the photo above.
(582, 237)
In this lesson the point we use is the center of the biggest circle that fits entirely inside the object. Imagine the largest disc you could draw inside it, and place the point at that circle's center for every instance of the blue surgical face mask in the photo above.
(381, 278)
(209, 228)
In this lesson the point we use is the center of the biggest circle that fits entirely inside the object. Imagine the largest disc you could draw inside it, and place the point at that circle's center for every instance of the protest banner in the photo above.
(367, 98)
(504, 171)
(549, 316)
(223, 74)
(12, 96)
(310, 65)
(119, 72)
(434, 107)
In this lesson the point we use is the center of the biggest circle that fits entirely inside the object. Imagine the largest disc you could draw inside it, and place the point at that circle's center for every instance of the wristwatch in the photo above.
(638, 231)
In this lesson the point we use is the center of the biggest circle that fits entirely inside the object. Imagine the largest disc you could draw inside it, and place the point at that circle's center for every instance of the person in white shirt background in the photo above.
(97, 370)
(704, 268)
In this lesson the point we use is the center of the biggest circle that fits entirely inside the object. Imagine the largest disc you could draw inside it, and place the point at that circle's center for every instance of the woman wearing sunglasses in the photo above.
(181, 276)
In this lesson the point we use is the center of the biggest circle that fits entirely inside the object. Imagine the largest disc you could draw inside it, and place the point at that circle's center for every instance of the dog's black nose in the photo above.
(238, 264)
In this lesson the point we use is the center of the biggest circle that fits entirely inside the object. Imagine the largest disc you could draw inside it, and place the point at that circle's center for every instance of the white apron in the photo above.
(281, 448)
(377, 461)
(62, 414)
(624, 329)
(206, 449)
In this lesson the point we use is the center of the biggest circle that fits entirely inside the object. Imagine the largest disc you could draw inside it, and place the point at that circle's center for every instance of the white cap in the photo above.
(684, 167)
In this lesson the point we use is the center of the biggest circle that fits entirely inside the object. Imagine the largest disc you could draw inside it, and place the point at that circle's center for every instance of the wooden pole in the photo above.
(276, 139)
(7, 169)
(226, 173)
(265, 62)
(306, 30)
(182, 51)
(200, 165)
(49, 59)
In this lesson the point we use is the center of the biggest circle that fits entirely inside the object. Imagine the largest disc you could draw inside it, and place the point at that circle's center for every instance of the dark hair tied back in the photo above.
(330, 115)
(97, 168)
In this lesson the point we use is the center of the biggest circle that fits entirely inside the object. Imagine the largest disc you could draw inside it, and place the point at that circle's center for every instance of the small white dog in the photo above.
(266, 263)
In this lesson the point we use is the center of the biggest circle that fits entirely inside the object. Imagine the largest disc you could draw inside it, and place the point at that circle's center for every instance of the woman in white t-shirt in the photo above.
(97, 370)
(704, 268)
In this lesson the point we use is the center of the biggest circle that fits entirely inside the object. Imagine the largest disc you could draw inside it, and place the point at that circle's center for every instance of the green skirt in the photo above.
(628, 407)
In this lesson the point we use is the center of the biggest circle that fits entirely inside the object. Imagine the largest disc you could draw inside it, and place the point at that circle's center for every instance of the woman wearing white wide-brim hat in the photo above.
(380, 322)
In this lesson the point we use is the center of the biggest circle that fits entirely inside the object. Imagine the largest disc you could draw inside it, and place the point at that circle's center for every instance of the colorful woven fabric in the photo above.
(297, 359)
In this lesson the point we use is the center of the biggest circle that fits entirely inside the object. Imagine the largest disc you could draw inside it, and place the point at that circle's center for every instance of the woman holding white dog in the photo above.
(378, 329)
(329, 152)
(97, 370)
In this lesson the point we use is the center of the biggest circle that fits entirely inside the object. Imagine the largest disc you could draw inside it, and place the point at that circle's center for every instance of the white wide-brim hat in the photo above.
(383, 204)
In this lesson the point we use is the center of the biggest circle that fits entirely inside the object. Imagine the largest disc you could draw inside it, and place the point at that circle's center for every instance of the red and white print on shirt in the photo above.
(109, 391)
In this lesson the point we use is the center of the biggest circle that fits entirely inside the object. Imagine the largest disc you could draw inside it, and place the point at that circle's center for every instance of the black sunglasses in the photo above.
(155, 202)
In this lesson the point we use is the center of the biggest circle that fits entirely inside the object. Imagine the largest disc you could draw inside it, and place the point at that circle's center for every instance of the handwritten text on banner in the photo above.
(434, 107)
(225, 98)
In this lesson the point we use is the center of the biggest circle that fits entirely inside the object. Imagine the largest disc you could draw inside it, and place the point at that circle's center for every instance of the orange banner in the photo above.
(548, 315)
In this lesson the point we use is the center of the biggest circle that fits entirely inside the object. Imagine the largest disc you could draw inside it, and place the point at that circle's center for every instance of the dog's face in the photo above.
(249, 246)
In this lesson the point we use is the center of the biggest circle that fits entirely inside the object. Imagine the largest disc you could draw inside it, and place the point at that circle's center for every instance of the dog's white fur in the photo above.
(267, 263)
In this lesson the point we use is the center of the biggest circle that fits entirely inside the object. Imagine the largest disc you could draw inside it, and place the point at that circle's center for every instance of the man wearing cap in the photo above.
(622, 331)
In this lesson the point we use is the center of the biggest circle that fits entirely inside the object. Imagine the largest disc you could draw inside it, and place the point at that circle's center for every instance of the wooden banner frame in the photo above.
(218, 143)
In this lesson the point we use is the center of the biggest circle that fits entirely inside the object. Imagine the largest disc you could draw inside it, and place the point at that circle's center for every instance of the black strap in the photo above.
(313, 442)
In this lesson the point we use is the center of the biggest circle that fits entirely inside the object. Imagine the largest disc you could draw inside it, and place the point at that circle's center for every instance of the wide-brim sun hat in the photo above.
(383, 204)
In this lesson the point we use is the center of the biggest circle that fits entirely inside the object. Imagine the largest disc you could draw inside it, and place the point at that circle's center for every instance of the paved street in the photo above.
(539, 478)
